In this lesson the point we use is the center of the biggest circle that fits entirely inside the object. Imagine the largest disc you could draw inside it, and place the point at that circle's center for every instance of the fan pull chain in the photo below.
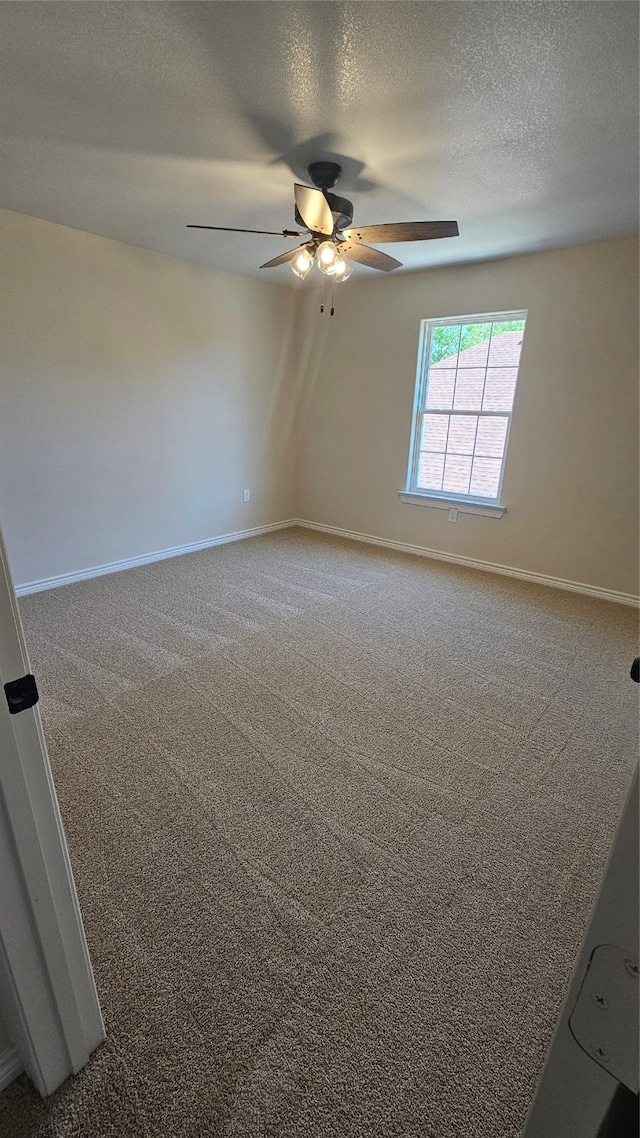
(322, 295)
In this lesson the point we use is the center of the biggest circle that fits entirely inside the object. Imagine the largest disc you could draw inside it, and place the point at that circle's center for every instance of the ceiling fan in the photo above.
(326, 218)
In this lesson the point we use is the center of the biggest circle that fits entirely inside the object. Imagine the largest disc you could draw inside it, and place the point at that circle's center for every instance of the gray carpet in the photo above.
(337, 817)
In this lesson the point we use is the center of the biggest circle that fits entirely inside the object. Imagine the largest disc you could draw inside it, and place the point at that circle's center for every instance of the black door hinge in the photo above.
(21, 694)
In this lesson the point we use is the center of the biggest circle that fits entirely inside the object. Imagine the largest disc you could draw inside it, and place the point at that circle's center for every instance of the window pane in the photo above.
(499, 389)
(485, 477)
(467, 397)
(440, 391)
(462, 434)
(505, 348)
(491, 436)
(474, 342)
(444, 344)
(430, 467)
(457, 472)
(434, 432)
(469, 384)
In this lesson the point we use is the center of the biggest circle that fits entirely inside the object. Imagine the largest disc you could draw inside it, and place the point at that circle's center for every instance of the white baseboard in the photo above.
(400, 546)
(145, 559)
(10, 1067)
(485, 566)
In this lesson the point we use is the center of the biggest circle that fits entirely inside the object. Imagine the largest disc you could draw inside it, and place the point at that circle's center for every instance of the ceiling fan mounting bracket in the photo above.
(324, 175)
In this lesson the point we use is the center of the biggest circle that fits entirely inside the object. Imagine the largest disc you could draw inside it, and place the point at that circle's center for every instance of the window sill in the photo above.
(488, 510)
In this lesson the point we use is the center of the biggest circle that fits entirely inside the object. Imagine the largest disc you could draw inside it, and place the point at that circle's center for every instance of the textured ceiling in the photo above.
(519, 120)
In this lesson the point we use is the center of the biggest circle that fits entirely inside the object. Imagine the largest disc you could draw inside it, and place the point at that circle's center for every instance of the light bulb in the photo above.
(340, 270)
(301, 263)
(327, 254)
(343, 270)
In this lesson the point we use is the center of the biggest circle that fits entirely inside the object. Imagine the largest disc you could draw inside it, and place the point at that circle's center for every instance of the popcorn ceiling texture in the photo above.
(337, 817)
(517, 119)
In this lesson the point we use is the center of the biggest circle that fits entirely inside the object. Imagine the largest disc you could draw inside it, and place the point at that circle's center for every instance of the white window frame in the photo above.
(465, 503)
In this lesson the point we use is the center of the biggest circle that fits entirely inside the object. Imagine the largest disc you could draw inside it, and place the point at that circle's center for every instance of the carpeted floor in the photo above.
(337, 817)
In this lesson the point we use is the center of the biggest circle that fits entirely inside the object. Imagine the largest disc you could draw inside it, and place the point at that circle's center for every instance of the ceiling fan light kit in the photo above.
(330, 244)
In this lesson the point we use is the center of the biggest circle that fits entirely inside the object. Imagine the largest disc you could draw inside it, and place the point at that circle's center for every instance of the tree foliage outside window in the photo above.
(449, 339)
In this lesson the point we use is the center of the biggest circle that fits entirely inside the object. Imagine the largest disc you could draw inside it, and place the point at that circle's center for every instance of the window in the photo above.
(466, 382)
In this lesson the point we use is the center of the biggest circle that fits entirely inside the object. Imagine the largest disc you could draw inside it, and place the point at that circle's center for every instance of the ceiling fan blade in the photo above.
(403, 231)
(282, 259)
(313, 209)
(267, 232)
(373, 258)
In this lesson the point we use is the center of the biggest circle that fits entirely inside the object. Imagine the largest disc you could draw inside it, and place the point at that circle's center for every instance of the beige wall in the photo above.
(571, 479)
(139, 396)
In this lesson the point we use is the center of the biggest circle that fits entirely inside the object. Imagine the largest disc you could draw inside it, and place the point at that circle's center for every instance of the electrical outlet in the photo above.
(246, 495)
(453, 514)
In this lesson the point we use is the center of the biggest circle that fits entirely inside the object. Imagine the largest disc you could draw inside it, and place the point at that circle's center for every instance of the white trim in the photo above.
(46, 983)
(478, 317)
(402, 547)
(485, 566)
(462, 505)
(143, 559)
(10, 1067)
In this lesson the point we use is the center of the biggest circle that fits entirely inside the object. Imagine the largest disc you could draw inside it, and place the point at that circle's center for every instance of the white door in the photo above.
(48, 998)
(589, 1084)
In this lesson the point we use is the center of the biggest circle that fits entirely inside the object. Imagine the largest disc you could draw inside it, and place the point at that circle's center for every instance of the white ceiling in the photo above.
(518, 120)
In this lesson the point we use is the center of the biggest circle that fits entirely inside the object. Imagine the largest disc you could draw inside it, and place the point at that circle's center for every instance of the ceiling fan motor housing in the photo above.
(324, 175)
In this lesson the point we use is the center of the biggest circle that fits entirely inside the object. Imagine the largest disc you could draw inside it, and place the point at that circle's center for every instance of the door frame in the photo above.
(575, 1094)
(48, 994)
